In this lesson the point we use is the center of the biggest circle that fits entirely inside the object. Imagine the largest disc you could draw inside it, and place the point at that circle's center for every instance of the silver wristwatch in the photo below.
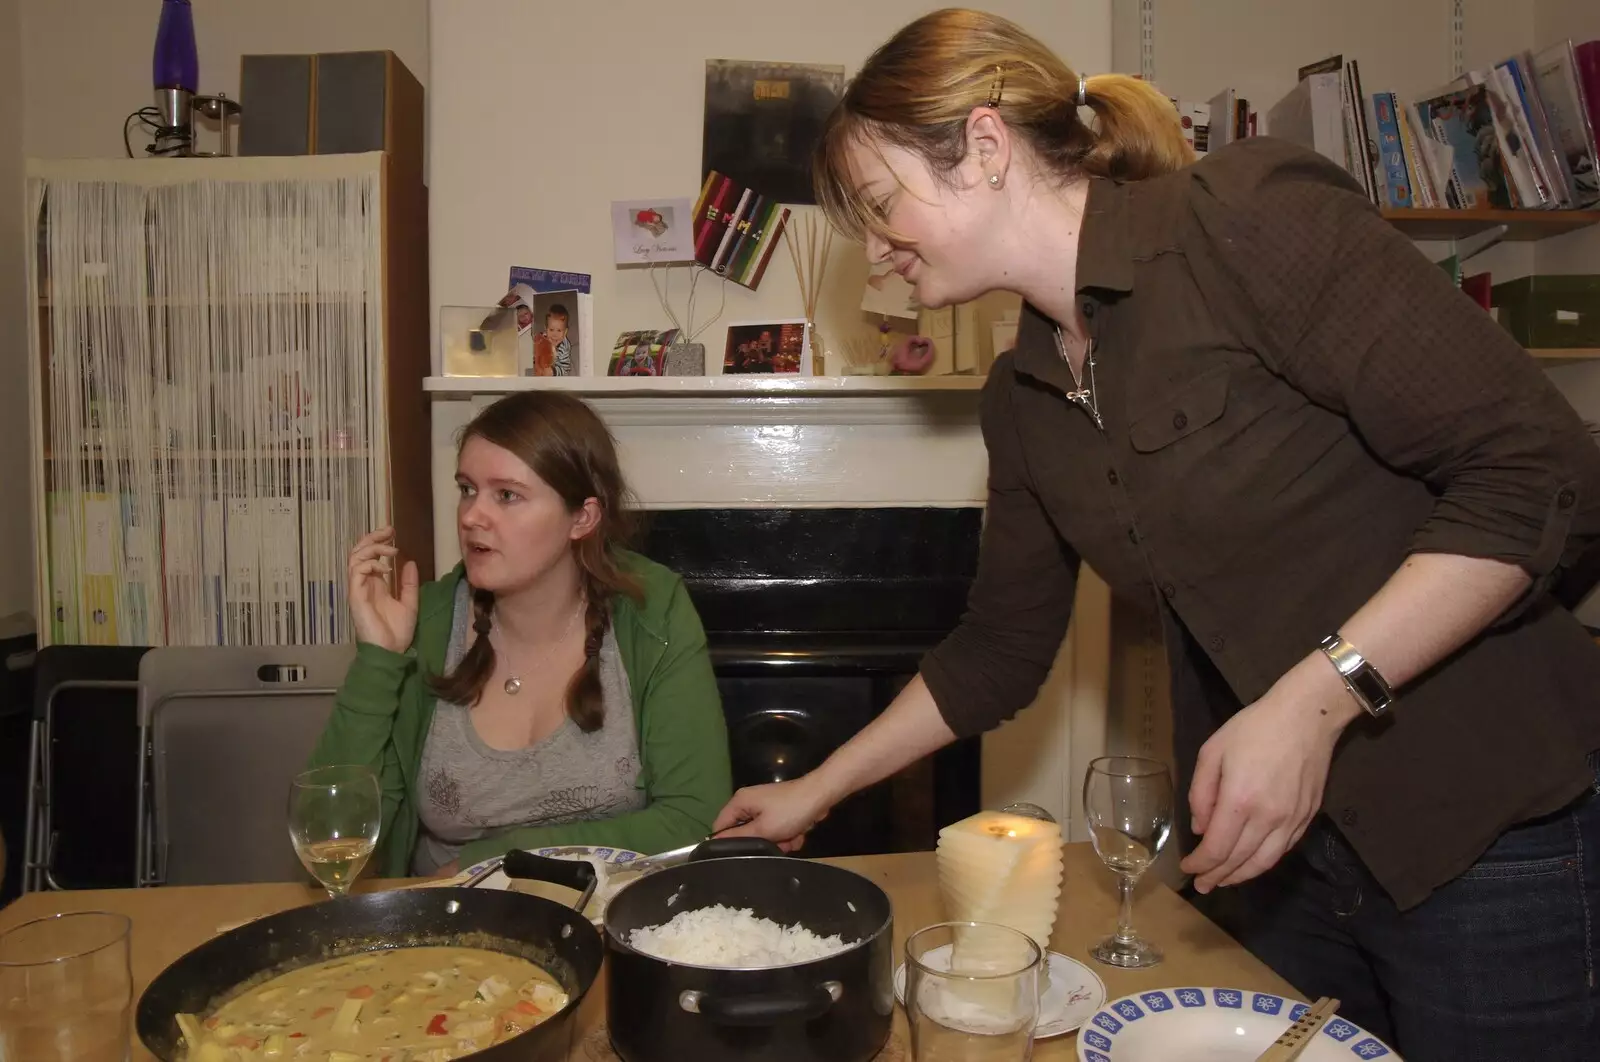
(1360, 678)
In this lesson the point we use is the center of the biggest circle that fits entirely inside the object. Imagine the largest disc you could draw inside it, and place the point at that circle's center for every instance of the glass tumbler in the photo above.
(66, 989)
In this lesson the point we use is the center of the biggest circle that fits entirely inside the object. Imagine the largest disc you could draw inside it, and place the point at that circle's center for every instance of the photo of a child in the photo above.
(639, 353)
(556, 336)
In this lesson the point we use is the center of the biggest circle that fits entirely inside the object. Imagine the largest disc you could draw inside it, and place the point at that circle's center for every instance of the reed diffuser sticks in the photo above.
(809, 254)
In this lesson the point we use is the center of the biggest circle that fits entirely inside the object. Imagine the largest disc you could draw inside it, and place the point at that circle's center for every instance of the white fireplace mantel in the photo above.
(754, 441)
(752, 399)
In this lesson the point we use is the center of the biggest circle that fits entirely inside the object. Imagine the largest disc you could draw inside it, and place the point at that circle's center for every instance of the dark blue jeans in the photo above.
(1496, 966)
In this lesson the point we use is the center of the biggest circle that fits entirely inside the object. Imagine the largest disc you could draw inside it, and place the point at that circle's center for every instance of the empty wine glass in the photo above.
(1128, 802)
(334, 817)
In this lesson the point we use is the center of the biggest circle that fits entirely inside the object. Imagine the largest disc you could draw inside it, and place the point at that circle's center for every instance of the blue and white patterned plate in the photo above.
(617, 859)
(1214, 1025)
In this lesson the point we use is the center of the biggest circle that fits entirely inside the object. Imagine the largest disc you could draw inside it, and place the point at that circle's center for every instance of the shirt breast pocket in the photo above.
(1183, 412)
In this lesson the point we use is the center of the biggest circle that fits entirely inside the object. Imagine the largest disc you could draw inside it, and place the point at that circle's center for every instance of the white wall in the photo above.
(87, 62)
(530, 144)
(1255, 46)
(1554, 19)
(16, 543)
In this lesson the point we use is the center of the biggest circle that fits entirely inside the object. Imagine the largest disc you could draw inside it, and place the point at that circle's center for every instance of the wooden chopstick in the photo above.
(1297, 1037)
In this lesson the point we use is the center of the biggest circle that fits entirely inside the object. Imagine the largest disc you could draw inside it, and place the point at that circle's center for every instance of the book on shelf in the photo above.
(1558, 82)
(1518, 134)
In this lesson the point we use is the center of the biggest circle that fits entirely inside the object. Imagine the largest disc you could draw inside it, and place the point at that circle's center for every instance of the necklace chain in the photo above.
(513, 683)
(1084, 396)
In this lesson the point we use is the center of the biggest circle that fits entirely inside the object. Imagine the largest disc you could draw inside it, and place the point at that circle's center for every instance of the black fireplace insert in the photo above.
(816, 619)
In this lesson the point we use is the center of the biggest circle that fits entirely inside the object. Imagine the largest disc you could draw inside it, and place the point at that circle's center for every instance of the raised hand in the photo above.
(380, 617)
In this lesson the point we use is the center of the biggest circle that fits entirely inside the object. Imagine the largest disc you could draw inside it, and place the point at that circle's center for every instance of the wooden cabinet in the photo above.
(226, 391)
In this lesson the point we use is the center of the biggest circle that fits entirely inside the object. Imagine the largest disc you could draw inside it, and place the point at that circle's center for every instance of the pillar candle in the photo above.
(1002, 868)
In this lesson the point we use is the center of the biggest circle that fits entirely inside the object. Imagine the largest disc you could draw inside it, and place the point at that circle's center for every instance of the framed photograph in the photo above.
(553, 320)
(645, 231)
(762, 121)
(641, 353)
(768, 347)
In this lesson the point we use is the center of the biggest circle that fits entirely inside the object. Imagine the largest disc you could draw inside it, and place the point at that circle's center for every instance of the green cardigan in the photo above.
(382, 714)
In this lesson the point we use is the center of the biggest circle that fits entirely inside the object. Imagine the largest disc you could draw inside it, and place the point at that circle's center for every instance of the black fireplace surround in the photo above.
(816, 618)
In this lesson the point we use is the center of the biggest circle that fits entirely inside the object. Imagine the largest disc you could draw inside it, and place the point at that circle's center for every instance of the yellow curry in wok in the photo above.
(424, 1004)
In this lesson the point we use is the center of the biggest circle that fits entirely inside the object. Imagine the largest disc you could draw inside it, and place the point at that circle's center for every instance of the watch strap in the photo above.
(1363, 680)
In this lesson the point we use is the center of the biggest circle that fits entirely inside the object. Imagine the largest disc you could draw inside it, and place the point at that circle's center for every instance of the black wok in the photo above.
(556, 938)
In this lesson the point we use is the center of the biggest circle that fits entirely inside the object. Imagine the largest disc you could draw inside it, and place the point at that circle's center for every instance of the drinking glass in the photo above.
(66, 989)
(334, 816)
(972, 993)
(1128, 802)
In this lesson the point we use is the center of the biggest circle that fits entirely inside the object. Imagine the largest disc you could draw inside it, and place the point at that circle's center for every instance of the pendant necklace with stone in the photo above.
(1083, 396)
(513, 683)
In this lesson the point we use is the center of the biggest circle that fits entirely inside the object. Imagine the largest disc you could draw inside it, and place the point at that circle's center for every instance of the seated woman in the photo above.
(554, 688)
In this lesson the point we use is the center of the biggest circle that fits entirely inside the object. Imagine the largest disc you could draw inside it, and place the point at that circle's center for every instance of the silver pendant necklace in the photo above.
(1083, 396)
(513, 683)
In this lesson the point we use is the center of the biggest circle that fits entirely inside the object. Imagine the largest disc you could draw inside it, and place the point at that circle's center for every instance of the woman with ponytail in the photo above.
(1360, 510)
(554, 688)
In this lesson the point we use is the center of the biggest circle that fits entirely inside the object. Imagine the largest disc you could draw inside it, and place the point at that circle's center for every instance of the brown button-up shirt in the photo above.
(1294, 399)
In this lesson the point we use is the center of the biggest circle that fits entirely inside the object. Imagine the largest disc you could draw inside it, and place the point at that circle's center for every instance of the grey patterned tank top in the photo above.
(468, 790)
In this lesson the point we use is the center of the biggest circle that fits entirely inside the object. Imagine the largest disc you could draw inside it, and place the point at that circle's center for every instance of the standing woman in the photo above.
(554, 688)
(1238, 392)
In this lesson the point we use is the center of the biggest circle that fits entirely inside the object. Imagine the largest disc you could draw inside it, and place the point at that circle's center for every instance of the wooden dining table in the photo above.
(169, 921)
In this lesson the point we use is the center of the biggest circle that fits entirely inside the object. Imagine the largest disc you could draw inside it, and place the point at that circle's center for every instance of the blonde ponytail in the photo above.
(1136, 130)
(917, 90)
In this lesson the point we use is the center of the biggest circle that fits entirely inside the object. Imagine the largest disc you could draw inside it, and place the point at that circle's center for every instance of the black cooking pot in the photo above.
(556, 938)
(835, 1009)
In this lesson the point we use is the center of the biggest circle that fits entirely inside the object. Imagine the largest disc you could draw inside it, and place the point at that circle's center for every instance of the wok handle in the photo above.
(575, 874)
(725, 847)
(764, 1009)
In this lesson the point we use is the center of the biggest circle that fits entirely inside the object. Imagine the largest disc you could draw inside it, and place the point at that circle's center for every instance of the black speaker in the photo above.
(367, 101)
(331, 104)
(277, 92)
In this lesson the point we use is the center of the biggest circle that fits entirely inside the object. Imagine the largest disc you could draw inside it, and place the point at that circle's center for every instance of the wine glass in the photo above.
(1128, 802)
(334, 817)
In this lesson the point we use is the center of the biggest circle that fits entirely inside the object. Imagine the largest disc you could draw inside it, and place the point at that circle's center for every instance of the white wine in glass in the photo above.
(1128, 802)
(334, 817)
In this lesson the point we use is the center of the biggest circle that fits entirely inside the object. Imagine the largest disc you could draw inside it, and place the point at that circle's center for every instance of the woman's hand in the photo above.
(380, 618)
(1259, 779)
(783, 812)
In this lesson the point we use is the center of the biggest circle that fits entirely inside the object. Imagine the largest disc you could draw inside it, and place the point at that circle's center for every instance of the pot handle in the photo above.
(726, 847)
(765, 1009)
(575, 874)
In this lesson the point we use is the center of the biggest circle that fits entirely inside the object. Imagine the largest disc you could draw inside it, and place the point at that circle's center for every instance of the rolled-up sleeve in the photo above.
(992, 665)
(1342, 305)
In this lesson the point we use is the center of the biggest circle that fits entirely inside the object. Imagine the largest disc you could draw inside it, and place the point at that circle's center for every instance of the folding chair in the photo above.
(225, 730)
(97, 685)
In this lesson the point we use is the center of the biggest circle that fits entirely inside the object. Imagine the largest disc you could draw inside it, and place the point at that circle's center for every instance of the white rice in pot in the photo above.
(726, 936)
